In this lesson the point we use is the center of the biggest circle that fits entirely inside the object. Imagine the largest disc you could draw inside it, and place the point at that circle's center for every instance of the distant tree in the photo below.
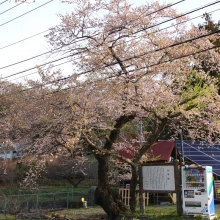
(13, 172)
(66, 168)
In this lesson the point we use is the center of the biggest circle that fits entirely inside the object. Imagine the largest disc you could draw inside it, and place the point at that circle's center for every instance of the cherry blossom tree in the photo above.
(126, 65)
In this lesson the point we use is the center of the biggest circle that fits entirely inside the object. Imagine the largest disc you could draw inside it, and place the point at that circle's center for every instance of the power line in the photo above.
(114, 63)
(170, 5)
(136, 32)
(25, 13)
(187, 13)
(37, 71)
(3, 2)
(43, 64)
(11, 8)
(129, 71)
(51, 51)
(180, 57)
(23, 39)
(26, 60)
(179, 16)
(61, 47)
(157, 64)
(157, 50)
(185, 21)
(136, 38)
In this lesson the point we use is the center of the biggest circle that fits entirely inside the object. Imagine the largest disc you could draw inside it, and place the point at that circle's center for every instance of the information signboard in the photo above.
(158, 178)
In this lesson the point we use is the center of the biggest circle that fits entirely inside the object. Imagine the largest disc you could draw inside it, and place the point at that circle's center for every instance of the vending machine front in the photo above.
(197, 190)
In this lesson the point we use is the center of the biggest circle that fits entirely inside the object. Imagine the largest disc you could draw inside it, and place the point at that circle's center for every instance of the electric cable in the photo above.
(136, 32)
(184, 21)
(141, 30)
(11, 8)
(43, 64)
(23, 39)
(129, 71)
(179, 16)
(37, 71)
(126, 42)
(25, 13)
(51, 51)
(170, 5)
(187, 13)
(153, 32)
(25, 60)
(3, 2)
(133, 57)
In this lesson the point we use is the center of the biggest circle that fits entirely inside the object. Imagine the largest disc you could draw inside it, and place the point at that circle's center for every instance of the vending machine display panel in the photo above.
(197, 190)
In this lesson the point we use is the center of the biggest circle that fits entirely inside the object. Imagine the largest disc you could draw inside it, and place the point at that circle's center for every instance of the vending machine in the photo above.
(197, 190)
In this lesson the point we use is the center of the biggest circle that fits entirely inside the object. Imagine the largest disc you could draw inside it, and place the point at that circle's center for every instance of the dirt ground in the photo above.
(90, 213)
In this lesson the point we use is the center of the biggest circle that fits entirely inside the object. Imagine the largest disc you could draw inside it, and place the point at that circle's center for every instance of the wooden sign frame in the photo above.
(176, 179)
(158, 177)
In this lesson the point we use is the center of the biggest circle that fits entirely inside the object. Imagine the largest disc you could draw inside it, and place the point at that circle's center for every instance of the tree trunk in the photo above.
(133, 202)
(108, 199)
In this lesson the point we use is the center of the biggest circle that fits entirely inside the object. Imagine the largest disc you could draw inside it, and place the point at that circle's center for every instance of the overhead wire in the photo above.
(185, 21)
(179, 57)
(169, 5)
(152, 65)
(23, 39)
(42, 64)
(153, 32)
(37, 71)
(51, 51)
(194, 10)
(25, 13)
(11, 8)
(159, 49)
(207, 5)
(129, 71)
(133, 57)
(135, 32)
(3, 2)
(179, 16)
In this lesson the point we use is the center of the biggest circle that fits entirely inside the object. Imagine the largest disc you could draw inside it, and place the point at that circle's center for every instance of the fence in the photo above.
(25, 202)
(125, 195)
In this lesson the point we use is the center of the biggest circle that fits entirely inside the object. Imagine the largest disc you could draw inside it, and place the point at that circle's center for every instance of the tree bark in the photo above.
(137, 159)
(133, 184)
(108, 199)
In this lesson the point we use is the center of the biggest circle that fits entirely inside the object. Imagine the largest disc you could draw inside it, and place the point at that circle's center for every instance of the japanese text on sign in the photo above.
(158, 178)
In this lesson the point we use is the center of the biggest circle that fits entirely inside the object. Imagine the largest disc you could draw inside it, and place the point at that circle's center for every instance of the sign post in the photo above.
(163, 178)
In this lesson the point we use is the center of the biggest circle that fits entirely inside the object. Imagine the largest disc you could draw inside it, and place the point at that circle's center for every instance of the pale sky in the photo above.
(41, 19)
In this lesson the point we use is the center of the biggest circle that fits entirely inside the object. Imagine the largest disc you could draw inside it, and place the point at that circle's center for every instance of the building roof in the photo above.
(162, 151)
(159, 152)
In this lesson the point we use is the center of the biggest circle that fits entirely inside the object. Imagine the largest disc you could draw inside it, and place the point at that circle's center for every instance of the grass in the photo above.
(162, 212)
(167, 212)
